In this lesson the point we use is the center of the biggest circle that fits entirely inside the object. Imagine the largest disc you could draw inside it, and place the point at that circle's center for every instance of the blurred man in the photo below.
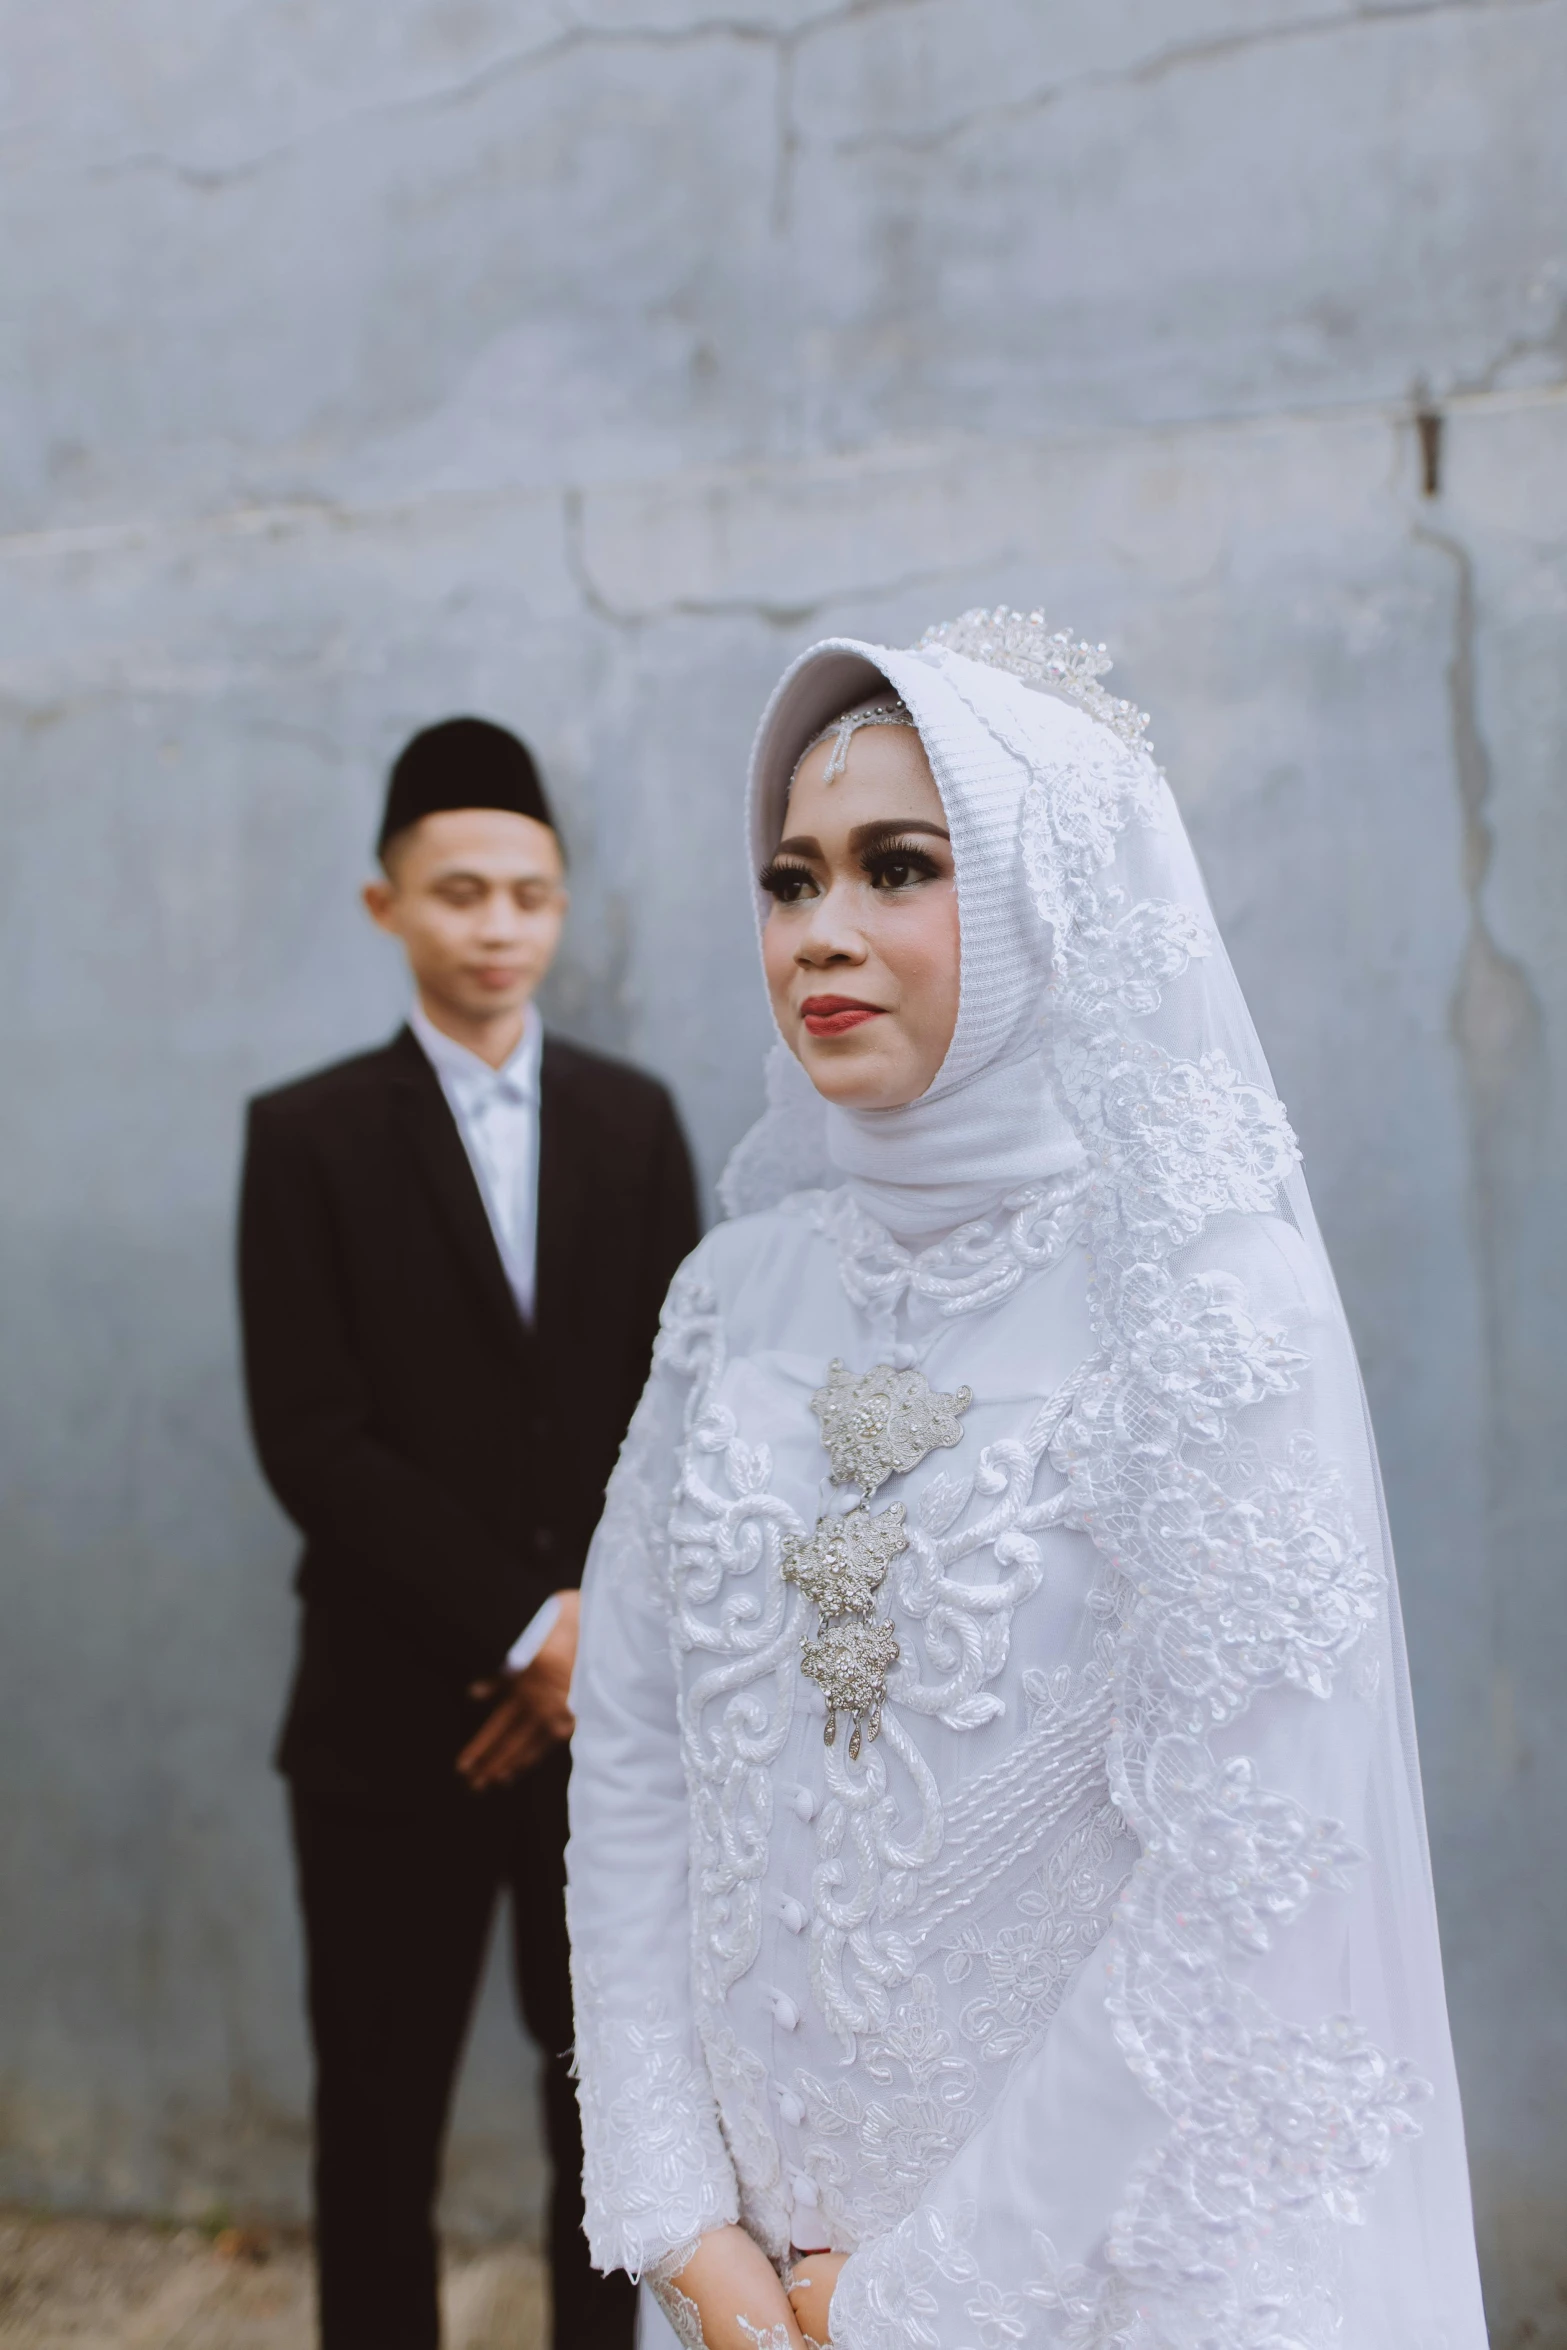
(453, 1251)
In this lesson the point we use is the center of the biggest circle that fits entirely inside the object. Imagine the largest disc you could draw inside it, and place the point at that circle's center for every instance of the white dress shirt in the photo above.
(497, 1115)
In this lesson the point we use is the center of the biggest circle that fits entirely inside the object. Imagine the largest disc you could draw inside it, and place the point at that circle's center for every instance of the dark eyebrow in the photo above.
(864, 836)
(467, 873)
(868, 836)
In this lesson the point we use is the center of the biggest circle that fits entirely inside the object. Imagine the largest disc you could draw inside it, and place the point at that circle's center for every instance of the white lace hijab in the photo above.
(1273, 1973)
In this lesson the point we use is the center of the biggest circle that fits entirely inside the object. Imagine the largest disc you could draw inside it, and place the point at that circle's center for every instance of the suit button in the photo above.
(543, 1540)
(539, 1430)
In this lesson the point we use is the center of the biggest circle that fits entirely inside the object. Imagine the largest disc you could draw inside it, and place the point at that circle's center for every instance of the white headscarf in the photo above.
(988, 1123)
(1263, 1749)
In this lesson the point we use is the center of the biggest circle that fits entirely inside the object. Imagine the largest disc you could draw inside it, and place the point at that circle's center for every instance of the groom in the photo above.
(453, 1250)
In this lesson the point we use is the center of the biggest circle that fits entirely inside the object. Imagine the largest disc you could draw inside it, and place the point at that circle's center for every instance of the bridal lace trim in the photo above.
(976, 1266)
(655, 2176)
(1236, 1574)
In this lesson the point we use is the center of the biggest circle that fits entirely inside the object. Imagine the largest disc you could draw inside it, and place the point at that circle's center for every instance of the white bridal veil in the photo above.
(1274, 1978)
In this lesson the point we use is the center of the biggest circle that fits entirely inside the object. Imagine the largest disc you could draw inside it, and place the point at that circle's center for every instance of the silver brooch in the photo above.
(850, 1664)
(844, 1563)
(883, 1423)
(875, 1426)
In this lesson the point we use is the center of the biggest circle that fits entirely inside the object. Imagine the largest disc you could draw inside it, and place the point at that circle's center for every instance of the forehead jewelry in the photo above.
(891, 712)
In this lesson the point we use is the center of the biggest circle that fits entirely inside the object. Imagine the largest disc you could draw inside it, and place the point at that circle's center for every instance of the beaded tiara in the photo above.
(1049, 661)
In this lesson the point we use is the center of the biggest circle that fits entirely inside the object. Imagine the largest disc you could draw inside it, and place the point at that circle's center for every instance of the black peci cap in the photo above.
(462, 763)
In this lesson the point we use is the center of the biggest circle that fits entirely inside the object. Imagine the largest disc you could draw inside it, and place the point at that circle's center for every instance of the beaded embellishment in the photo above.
(850, 1664)
(878, 1425)
(842, 1566)
(885, 710)
(1051, 661)
(884, 1423)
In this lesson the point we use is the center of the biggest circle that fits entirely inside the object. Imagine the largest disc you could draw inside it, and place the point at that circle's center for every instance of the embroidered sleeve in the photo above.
(656, 2173)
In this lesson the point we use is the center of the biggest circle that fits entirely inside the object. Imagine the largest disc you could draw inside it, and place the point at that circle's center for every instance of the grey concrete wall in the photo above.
(576, 363)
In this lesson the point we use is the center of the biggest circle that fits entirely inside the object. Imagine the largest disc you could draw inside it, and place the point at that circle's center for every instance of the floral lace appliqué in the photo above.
(907, 2110)
(1024, 1969)
(976, 1266)
(651, 2177)
(1239, 1572)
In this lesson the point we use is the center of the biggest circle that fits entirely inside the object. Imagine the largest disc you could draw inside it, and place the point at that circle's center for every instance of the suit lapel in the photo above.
(432, 1135)
(565, 1174)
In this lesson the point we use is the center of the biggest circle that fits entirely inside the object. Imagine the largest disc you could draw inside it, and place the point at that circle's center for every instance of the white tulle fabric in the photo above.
(1101, 2003)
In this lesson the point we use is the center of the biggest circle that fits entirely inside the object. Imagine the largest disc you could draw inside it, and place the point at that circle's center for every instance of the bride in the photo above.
(998, 1883)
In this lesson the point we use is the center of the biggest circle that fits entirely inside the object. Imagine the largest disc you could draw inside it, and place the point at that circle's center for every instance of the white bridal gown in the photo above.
(1083, 1985)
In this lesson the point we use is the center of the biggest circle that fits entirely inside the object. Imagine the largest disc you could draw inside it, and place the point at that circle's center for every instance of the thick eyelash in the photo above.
(773, 876)
(894, 852)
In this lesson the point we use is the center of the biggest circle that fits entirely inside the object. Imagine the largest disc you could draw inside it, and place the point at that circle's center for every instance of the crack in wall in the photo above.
(1374, 12)
(1496, 1022)
(294, 513)
(574, 525)
(1163, 63)
(787, 43)
(511, 65)
(772, 612)
(1549, 341)
(515, 64)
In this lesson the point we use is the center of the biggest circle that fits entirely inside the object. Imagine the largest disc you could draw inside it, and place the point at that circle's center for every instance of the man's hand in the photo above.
(811, 2284)
(534, 1712)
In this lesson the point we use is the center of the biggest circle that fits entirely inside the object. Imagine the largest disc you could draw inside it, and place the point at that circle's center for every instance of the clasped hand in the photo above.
(533, 1709)
(736, 2294)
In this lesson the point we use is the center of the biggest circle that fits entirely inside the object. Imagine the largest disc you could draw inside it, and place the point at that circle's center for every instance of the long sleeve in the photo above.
(310, 1412)
(656, 2172)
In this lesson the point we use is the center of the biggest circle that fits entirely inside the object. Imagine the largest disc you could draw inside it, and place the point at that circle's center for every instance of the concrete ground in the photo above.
(91, 2284)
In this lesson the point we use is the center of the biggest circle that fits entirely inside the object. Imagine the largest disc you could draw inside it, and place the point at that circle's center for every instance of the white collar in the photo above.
(975, 1266)
(465, 1073)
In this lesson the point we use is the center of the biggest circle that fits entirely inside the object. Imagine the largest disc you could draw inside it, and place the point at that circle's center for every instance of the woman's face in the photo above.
(861, 940)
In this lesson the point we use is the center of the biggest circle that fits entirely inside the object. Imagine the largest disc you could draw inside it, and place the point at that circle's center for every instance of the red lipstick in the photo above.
(835, 1015)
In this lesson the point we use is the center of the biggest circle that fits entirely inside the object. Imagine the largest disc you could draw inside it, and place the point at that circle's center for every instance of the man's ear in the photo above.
(380, 897)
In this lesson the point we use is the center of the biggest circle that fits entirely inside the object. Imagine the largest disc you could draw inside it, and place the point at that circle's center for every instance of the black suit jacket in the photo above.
(444, 1461)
